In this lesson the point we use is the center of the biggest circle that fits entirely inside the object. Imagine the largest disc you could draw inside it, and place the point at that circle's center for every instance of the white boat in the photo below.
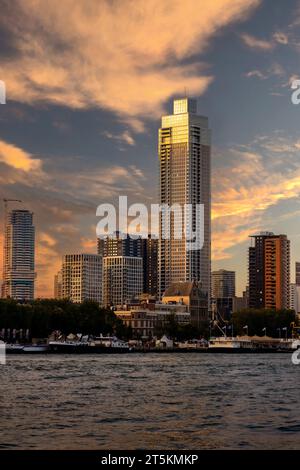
(14, 348)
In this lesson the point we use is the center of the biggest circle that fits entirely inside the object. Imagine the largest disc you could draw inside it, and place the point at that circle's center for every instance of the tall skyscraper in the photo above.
(269, 271)
(122, 279)
(18, 255)
(185, 173)
(223, 284)
(298, 273)
(82, 278)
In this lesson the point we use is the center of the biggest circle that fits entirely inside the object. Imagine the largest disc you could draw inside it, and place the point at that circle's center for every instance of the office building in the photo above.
(269, 271)
(82, 278)
(185, 173)
(122, 279)
(19, 256)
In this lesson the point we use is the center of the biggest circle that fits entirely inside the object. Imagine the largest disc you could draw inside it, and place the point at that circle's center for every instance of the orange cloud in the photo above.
(18, 158)
(128, 56)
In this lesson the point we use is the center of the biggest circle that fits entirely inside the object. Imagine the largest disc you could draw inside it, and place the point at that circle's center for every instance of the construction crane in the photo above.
(6, 202)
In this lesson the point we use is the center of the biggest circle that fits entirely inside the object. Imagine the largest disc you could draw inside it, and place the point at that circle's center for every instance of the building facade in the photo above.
(19, 256)
(58, 285)
(295, 298)
(223, 284)
(269, 271)
(298, 273)
(119, 245)
(191, 295)
(150, 265)
(122, 279)
(185, 173)
(82, 278)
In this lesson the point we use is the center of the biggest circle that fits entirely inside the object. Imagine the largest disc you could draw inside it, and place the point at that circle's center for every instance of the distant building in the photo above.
(58, 285)
(269, 271)
(19, 256)
(298, 273)
(295, 298)
(223, 283)
(82, 278)
(185, 178)
(191, 295)
(122, 279)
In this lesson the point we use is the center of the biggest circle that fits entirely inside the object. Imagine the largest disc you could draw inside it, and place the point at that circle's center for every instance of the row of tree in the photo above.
(42, 317)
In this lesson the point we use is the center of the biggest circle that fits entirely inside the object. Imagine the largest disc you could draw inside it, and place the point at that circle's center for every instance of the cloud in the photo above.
(255, 43)
(253, 180)
(64, 208)
(128, 57)
(281, 38)
(17, 158)
(256, 74)
(123, 137)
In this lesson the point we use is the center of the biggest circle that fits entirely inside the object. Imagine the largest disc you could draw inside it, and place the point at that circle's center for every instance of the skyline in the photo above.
(69, 143)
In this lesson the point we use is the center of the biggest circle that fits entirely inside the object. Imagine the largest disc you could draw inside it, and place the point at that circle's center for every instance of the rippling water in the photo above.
(154, 401)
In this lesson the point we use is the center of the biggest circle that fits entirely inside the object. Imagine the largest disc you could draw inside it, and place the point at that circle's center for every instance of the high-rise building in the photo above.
(58, 285)
(298, 273)
(295, 298)
(185, 173)
(150, 265)
(122, 279)
(119, 245)
(146, 248)
(82, 277)
(18, 255)
(269, 271)
(223, 284)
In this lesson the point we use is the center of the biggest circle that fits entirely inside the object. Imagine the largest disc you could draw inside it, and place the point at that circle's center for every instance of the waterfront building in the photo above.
(82, 277)
(191, 295)
(269, 271)
(19, 255)
(122, 279)
(185, 174)
(144, 322)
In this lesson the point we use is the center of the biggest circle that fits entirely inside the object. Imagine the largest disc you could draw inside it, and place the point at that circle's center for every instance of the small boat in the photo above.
(35, 348)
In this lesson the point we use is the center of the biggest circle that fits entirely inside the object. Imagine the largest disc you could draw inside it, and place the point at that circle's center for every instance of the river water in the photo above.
(150, 401)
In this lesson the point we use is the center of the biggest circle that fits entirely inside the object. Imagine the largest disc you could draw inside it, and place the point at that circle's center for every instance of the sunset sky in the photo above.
(87, 82)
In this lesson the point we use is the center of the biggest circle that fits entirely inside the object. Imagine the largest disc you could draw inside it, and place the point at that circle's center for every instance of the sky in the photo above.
(87, 83)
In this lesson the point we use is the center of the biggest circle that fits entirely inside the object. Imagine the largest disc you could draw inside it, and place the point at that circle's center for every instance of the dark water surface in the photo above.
(154, 401)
